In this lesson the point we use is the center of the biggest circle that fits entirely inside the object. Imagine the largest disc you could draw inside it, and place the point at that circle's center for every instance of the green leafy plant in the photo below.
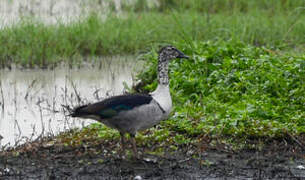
(230, 88)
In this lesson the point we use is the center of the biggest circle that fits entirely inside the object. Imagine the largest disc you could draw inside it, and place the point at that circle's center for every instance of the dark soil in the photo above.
(44, 160)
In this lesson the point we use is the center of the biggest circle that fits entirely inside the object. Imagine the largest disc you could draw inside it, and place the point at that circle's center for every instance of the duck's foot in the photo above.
(134, 147)
(123, 146)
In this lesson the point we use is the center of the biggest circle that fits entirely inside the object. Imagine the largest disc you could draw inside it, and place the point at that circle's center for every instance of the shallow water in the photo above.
(54, 11)
(31, 100)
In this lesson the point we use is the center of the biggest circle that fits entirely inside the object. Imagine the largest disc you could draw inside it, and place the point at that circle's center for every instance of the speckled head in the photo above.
(170, 52)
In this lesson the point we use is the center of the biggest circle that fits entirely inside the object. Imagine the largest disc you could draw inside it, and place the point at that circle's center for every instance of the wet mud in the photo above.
(45, 160)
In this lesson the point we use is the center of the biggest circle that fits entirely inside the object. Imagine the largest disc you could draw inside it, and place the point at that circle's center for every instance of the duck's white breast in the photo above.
(163, 98)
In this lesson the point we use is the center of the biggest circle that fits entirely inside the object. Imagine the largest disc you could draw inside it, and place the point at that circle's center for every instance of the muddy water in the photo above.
(31, 100)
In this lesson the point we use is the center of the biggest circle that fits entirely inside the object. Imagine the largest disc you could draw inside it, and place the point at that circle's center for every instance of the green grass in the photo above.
(218, 6)
(33, 43)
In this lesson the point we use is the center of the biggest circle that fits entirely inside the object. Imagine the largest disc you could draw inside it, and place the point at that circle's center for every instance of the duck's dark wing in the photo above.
(112, 106)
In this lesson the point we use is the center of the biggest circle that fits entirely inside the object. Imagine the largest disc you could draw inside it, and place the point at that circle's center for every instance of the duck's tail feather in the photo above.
(79, 111)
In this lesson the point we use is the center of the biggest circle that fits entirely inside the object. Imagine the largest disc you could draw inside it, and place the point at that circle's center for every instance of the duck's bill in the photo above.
(181, 55)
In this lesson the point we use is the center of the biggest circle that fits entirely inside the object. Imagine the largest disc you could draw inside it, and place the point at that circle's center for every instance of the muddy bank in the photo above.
(48, 160)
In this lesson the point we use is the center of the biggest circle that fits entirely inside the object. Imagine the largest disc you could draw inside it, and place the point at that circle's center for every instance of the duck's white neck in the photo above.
(162, 93)
(162, 89)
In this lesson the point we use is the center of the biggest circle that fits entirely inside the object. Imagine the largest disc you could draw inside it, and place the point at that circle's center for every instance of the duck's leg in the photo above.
(134, 146)
(123, 142)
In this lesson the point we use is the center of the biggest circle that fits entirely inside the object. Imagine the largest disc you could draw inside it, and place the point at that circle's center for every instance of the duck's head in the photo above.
(170, 52)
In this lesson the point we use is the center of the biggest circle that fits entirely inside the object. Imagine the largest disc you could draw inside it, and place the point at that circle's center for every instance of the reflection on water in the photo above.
(31, 100)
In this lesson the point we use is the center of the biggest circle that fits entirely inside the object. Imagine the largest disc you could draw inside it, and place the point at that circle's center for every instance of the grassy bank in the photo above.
(33, 43)
(236, 93)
